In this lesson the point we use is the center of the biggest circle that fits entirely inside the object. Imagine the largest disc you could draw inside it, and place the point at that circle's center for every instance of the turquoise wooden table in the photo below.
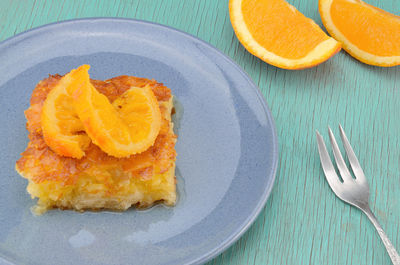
(303, 222)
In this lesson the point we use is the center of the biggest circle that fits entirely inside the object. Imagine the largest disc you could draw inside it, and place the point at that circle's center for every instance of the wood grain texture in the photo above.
(303, 222)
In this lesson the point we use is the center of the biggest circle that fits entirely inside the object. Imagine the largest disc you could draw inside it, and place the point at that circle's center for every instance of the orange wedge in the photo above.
(129, 126)
(277, 33)
(368, 33)
(62, 130)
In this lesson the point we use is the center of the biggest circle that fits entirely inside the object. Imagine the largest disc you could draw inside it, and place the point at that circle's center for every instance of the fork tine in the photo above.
(327, 165)
(355, 165)
(344, 171)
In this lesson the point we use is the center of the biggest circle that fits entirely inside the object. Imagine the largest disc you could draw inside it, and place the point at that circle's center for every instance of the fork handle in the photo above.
(394, 256)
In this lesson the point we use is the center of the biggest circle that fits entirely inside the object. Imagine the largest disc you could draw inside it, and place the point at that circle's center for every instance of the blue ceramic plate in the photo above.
(227, 147)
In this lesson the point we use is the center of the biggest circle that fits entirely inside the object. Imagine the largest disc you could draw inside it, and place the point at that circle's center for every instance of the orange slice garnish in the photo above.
(277, 33)
(62, 130)
(368, 33)
(128, 126)
(139, 110)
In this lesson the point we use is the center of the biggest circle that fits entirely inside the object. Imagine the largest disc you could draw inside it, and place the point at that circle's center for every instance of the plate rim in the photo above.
(241, 230)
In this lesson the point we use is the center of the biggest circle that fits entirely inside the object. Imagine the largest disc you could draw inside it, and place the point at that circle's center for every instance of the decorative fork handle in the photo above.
(394, 256)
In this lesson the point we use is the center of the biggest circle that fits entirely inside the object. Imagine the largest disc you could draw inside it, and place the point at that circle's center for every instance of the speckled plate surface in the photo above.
(227, 147)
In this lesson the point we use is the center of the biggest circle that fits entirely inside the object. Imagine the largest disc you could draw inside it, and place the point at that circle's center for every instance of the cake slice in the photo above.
(97, 180)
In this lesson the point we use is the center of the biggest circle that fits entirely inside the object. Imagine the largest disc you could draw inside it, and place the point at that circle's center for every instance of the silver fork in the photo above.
(353, 191)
